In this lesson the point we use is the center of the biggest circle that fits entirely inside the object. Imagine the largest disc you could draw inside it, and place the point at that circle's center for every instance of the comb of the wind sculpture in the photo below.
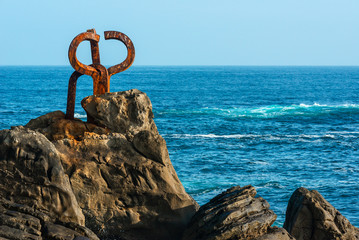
(100, 74)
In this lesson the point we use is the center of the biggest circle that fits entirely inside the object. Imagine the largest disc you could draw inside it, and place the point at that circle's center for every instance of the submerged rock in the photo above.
(235, 214)
(310, 217)
(113, 175)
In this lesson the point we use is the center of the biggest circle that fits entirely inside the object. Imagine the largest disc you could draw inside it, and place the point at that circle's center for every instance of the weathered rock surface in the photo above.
(275, 233)
(60, 178)
(123, 190)
(31, 173)
(235, 214)
(55, 127)
(20, 222)
(310, 217)
(114, 175)
(124, 112)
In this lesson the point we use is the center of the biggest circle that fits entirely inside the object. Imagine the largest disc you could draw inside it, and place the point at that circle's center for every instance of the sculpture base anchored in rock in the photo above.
(100, 75)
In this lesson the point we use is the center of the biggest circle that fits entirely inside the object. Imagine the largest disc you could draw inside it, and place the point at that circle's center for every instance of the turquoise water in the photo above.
(277, 128)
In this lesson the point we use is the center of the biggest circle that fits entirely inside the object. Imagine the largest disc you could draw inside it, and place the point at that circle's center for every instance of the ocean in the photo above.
(276, 128)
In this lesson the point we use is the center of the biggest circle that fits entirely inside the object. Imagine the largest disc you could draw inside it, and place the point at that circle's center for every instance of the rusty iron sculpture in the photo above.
(100, 75)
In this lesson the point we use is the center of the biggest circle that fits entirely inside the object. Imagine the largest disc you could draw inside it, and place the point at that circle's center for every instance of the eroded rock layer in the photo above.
(113, 174)
(31, 173)
(310, 217)
(235, 214)
(21, 222)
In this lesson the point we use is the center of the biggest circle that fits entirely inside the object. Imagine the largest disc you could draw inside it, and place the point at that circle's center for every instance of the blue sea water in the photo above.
(277, 128)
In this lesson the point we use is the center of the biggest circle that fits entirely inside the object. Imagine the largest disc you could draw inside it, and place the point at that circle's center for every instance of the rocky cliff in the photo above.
(113, 175)
(112, 178)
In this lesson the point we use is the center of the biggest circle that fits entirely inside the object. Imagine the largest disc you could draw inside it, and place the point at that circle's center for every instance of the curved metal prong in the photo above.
(71, 95)
(75, 63)
(130, 52)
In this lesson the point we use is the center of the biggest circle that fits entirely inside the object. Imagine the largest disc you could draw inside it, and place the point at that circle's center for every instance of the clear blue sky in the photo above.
(184, 32)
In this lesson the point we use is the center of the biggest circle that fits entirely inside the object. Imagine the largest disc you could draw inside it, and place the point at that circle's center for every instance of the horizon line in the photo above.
(211, 65)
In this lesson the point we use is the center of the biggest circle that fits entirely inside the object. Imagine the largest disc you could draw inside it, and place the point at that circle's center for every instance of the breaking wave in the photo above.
(81, 116)
(269, 137)
(271, 111)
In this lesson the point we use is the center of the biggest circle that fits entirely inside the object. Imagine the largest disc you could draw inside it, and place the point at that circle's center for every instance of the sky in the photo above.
(184, 32)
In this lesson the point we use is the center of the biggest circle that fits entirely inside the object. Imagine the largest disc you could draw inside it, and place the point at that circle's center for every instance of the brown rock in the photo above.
(126, 112)
(123, 180)
(234, 214)
(16, 234)
(58, 232)
(19, 221)
(152, 146)
(276, 233)
(55, 127)
(123, 192)
(32, 174)
(310, 217)
(22, 221)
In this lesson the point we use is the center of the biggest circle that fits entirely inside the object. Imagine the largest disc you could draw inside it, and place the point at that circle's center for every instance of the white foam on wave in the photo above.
(78, 115)
(211, 136)
(269, 111)
(267, 137)
(343, 132)
(279, 110)
(314, 105)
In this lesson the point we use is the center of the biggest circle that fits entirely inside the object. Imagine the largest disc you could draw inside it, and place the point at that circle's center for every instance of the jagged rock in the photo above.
(234, 214)
(127, 112)
(31, 173)
(122, 191)
(55, 127)
(125, 182)
(59, 232)
(310, 217)
(21, 222)
(118, 166)
(16, 234)
(275, 233)
(153, 146)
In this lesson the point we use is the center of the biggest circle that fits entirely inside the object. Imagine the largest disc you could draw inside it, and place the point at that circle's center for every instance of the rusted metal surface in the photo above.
(130, 52)
(100, 74)
(71, 95)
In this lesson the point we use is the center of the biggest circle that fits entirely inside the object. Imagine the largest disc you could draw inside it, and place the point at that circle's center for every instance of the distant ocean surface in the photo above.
(277, 128)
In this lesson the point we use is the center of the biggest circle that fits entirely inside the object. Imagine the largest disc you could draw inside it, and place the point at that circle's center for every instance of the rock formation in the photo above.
(20, 222)
(235, 214)
(113, 174)
(31, 173)
(112, 178)
(123, 112)
(310, 217)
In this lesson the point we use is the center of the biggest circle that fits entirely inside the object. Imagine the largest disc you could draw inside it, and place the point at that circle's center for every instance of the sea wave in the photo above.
(81, 116)
(270, 111)
(267, 137)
